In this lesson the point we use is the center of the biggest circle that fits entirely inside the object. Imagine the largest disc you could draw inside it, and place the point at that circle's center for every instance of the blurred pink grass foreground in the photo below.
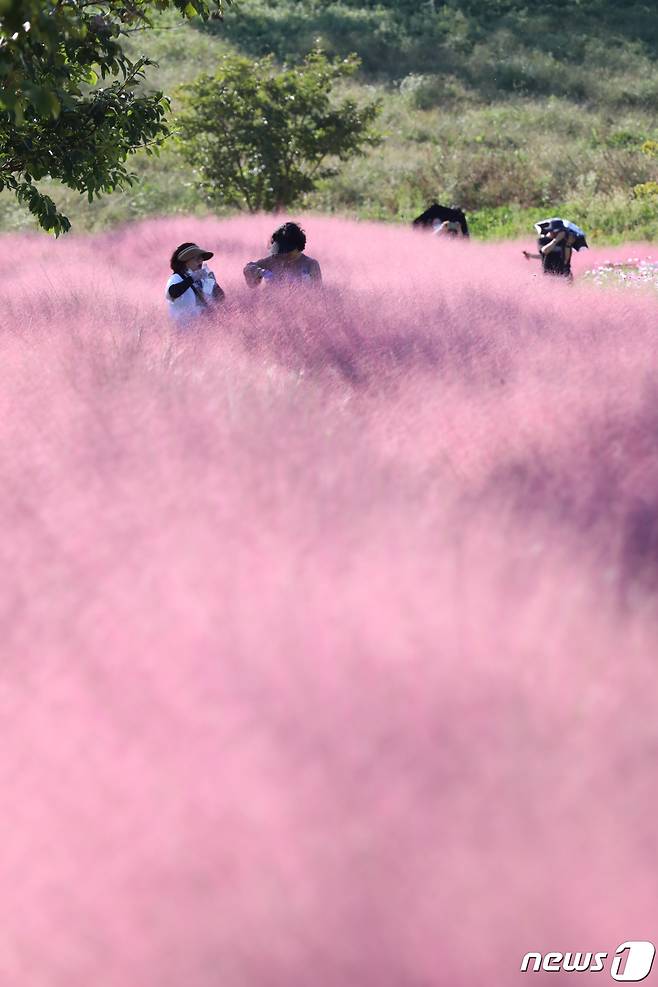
(329, 630)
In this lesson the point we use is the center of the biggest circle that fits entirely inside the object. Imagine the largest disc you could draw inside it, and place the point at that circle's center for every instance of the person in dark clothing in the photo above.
(436, 215)
(556, 254)
(555, 249)
(192, 288)
(558, 238)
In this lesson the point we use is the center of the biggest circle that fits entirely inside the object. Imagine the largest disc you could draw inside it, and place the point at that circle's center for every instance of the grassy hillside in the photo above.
(503, 107)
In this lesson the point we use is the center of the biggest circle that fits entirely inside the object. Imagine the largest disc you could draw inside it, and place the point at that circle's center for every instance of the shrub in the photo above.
(647, 190)
(261, 137)
(424, 92)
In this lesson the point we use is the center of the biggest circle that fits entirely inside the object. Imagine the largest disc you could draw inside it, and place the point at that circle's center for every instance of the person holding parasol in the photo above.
(557, 239)
(450, 220)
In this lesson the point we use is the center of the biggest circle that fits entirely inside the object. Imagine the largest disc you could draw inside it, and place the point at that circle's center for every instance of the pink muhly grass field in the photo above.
(329, 627)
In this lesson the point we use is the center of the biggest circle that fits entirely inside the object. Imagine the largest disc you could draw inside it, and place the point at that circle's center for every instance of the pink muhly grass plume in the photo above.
(329, 624)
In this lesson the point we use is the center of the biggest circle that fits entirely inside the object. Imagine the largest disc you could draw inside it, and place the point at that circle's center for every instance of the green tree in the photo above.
(261, 137)
(58, 118)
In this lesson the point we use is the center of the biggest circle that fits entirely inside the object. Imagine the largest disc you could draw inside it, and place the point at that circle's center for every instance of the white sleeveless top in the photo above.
(185, 308)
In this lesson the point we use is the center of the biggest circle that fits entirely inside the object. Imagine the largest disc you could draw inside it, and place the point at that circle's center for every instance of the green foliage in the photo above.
(57, 118)
(529, 154)
(457, 129)
(598, 50)
(425, 91)
(647, 190)
(261, 137)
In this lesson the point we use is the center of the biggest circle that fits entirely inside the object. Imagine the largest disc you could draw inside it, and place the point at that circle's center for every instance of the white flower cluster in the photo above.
(631, 273)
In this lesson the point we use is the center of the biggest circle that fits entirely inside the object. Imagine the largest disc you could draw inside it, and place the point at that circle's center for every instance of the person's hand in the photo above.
(252, 274)
(526, 254)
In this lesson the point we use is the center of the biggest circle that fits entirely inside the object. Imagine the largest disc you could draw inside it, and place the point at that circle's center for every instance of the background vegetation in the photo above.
(504, 107)
(73, 104)
(263, 137)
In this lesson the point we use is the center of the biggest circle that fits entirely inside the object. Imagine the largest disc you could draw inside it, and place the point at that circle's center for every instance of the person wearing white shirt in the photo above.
(192, 290)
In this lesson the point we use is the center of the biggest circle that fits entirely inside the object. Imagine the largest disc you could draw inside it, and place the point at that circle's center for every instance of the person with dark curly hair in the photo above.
(192, 289)
(287, 263)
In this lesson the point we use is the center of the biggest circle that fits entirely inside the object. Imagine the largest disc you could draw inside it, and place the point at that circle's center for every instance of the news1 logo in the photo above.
(631, 962)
